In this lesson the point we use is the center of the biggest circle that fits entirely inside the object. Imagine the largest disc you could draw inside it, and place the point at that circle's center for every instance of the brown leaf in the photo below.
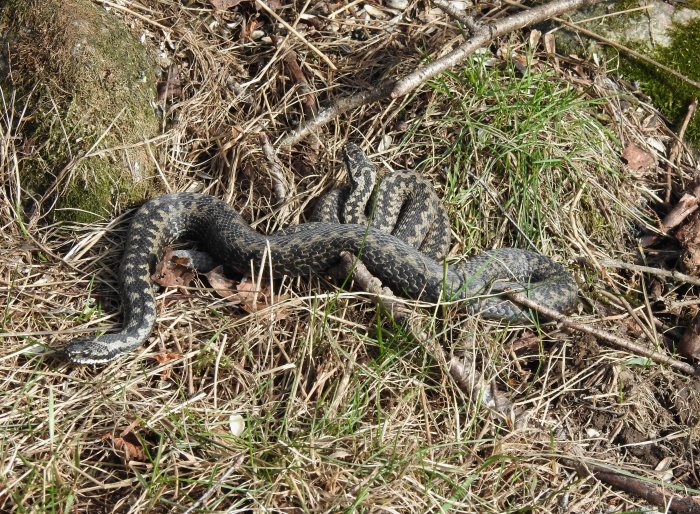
(689, 344)
(252, 299)
(129, 444)
(162, 358)
(275, 5)
(638, 159)
(224, 287)
(248, 29)
(172, 270)
(689, 237)
(246, 294)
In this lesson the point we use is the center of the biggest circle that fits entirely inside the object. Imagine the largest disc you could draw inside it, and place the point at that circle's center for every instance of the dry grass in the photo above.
(343, 410)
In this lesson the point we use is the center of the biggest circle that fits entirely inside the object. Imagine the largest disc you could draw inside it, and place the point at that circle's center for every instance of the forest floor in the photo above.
(308, 397)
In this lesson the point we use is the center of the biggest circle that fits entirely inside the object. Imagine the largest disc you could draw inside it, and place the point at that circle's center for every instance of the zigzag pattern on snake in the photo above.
(312, 248)
(404, 204)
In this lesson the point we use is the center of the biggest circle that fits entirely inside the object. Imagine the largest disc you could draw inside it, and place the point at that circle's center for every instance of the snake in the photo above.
(314, 248)
(403, 204)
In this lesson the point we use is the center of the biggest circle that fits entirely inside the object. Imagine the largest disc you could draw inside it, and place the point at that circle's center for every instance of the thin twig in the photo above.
(676, 149)
(655, 494)
(393, 88)
(619, 342)
(672, 274)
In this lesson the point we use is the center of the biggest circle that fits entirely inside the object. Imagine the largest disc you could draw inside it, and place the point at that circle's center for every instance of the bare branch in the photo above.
(655, 494)
(672, 274)
(484, 35)
(616, 341)
(457, 14)
(395, 88)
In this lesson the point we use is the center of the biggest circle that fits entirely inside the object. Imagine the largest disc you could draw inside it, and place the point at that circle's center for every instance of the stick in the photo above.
(457, 14)
(676, 149)
(655, 494)
(616, 341)
(673, 275)
(394, 88)
(485, 34)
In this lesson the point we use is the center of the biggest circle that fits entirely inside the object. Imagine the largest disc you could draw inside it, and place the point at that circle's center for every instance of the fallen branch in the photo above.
(655, 494)
(395, 88)
(616, 341)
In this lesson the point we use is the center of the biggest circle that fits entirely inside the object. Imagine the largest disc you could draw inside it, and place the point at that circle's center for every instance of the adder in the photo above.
(342, 223)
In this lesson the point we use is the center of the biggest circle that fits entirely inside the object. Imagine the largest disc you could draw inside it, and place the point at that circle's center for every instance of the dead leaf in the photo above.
(224, 287)
(689, 345)
(689, 237)
(248, 29)
(252, 298)
(550, 45)
(246, 294)
(162, 358)
(638, 159)
(172, 270)
(129, 444)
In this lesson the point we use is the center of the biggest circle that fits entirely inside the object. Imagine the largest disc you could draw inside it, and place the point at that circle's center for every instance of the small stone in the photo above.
(236, 424)
(399, 5)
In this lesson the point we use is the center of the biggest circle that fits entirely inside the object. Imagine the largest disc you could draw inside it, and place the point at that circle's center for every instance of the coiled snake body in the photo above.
(312, 248)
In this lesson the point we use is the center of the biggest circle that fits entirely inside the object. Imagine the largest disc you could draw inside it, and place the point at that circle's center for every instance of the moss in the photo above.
(89, 86)
(668, 93)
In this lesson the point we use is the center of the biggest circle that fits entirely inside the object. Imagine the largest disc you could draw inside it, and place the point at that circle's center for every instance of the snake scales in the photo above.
(314, 248)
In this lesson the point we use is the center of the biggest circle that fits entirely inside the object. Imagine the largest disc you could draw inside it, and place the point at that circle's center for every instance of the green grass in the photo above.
(516, 151)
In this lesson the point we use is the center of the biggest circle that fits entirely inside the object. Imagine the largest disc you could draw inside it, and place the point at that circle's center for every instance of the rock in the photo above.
(650, 28)
(88, 87)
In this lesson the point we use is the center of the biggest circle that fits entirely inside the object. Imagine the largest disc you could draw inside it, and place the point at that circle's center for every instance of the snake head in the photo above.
(360, 169)
(88, 350)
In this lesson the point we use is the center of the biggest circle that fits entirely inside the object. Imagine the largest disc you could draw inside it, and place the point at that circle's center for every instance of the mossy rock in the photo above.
(88, 87)
(667, 33)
